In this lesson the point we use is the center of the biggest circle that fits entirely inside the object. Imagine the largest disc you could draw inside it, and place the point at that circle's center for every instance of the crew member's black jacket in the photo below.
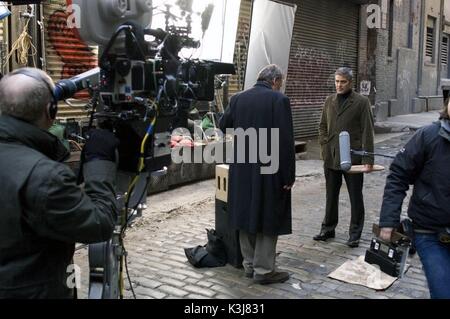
(424, 163)
(43, 212)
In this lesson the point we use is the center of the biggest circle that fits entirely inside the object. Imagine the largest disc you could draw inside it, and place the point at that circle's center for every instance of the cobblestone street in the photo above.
(178, 218)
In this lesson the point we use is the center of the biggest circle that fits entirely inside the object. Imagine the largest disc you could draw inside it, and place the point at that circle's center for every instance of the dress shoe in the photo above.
(323, 236)
(271, 278)
(353, 243)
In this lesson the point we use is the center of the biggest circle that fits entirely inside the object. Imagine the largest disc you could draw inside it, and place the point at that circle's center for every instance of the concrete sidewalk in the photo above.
(404, 123)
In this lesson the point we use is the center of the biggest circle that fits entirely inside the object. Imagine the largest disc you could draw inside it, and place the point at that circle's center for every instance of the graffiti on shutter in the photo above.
(67, 55)
(325, 38)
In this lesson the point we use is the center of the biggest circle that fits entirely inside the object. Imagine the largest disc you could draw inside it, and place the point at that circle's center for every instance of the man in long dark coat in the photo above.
(259, 197)
(345, 111)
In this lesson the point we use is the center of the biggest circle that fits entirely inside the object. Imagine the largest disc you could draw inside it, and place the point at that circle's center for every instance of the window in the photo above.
(429, 45)
(444, 50)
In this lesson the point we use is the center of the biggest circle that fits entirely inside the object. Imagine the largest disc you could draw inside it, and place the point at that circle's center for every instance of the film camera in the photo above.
(141, 91)
(140, 87)
(390, 257)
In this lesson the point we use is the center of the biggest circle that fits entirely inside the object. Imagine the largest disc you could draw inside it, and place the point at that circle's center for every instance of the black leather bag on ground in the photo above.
(212, 254)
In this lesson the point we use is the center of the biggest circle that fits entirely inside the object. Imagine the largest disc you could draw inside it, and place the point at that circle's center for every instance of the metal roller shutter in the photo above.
(325, 37)
(66, 54)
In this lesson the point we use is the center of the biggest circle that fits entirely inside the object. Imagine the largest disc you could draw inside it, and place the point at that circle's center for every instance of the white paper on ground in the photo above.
(359, 272)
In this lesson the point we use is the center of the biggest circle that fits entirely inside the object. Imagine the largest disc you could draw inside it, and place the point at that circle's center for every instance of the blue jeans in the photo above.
(435, 258)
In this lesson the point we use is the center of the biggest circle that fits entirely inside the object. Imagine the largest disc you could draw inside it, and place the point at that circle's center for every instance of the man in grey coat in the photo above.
(259, 199)
(43, 211)
(345, 111)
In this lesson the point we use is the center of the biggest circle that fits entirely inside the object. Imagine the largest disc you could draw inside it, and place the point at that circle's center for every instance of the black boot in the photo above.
(353, 241)
(324, 235)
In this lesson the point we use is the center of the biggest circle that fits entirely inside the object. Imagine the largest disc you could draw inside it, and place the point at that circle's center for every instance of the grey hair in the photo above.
(345, 72)
(270, 72)
(27, 100)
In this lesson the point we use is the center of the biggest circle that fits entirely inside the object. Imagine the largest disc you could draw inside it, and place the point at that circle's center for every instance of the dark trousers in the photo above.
(354, 183)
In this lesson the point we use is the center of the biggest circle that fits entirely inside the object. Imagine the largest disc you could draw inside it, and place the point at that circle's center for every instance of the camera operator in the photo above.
(43, 211)
(424, 163)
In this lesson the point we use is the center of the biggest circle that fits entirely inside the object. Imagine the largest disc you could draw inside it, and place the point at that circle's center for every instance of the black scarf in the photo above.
(343, 97)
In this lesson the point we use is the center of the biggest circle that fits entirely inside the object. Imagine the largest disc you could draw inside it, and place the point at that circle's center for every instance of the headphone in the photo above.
(53, 108)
